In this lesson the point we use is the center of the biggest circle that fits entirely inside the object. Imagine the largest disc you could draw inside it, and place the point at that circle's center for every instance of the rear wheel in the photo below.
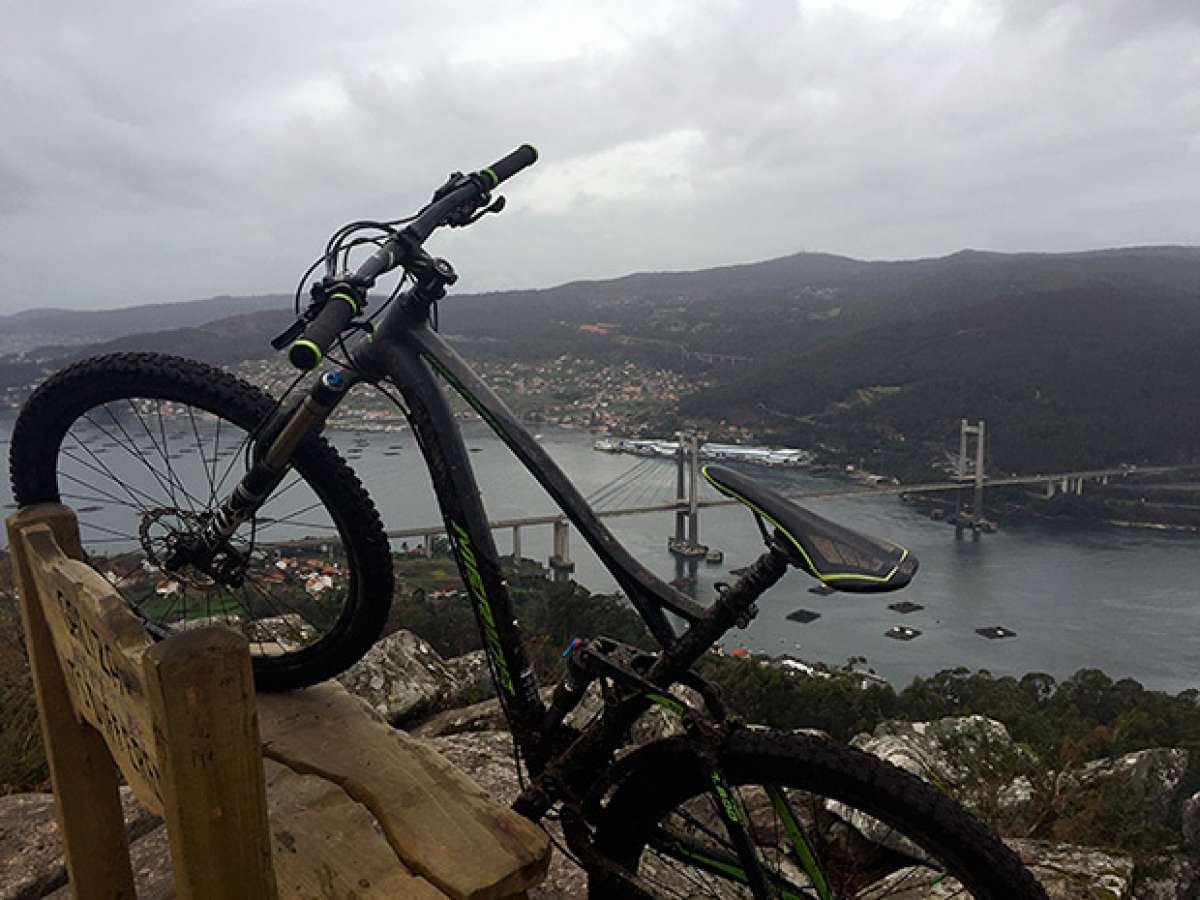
(825, 820)
(145, 447)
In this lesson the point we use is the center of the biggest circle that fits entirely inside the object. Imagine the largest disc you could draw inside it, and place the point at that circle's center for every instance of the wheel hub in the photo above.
(173, 541)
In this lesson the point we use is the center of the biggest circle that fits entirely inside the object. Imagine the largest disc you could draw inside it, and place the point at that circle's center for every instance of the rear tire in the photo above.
(665, 812)
(315, 579)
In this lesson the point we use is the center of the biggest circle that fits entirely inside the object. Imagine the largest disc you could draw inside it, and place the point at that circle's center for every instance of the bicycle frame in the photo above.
(410, 354)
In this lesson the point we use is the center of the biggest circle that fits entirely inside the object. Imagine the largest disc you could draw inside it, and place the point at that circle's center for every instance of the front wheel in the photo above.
(145, 447)
(826, 822)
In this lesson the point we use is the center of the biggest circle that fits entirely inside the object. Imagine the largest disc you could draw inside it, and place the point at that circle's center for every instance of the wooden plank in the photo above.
(100, 644)
(328, 845)
(83, 775)
(201, 690)
(438, 821)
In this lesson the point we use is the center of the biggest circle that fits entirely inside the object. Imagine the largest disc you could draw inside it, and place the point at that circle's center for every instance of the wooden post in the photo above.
(82, 772)
(201, 691)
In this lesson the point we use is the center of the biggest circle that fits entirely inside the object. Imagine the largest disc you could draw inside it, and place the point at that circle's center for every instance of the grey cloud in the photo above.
(217, 143)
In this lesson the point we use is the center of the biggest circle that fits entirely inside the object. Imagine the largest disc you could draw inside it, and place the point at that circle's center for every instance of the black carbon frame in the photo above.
(412, 356)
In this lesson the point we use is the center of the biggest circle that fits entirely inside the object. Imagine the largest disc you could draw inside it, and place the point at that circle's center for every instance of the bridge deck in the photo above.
(872, 491)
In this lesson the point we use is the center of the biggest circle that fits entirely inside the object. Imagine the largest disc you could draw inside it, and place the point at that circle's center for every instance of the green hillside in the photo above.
(1074, 359)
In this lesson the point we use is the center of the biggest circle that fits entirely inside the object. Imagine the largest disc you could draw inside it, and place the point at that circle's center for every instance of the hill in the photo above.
(1075, 359)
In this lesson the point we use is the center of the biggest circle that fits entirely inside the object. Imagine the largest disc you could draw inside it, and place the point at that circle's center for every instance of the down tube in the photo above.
(467, 527)
(648, 593)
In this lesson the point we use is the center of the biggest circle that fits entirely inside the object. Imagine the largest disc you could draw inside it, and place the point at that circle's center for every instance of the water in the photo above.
(1122, 600)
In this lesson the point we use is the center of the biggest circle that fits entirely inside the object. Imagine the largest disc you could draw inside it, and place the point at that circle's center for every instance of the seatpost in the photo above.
(732, 607)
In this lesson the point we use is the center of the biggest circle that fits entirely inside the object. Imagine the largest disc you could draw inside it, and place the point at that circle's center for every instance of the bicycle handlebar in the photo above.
(502, 170)
(472, 189)
(306, 352)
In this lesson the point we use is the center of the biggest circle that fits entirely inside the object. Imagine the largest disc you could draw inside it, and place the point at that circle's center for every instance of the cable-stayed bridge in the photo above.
(657, 485)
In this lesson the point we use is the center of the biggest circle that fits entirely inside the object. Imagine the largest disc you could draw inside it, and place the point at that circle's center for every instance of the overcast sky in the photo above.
(178, 149)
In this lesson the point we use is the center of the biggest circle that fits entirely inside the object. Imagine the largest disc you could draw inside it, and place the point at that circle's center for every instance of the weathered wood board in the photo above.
(328, 845)
(438, 821)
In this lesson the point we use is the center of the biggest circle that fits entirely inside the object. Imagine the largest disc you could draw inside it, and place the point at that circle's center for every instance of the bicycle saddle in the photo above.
(841, 558)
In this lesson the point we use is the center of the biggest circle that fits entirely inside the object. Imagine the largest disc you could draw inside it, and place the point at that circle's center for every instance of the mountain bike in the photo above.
(205, 500)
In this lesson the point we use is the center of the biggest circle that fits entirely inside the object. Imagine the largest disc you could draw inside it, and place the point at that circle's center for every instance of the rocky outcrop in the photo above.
(1170, 876)
(1190, 820)
(971, 758)
(31, 863)
(403, 678)
(1065, 871)
(1069, 872)
(1151, 779)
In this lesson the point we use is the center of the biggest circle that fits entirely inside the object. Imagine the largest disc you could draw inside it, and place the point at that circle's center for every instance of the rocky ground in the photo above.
(972, 758)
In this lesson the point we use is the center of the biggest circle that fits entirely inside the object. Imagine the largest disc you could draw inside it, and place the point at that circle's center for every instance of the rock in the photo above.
(1066, 872)
(30, 850)
(150, 857)
(1153, 778)
(913, 883)
(971, 758)
(1190, 824)
(31, 863)
(403, 678)
(484, 716)
(1069, 872)
(1167, 877)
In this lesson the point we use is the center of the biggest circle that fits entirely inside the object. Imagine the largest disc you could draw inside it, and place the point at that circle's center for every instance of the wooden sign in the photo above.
(176, 718)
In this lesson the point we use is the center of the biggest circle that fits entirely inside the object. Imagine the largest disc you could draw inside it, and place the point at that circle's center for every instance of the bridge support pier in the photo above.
(516, 554)
(427, 543)
(561, 565)
(1049, 489)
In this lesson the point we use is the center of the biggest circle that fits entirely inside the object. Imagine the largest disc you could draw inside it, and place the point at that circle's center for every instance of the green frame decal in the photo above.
(495, 647)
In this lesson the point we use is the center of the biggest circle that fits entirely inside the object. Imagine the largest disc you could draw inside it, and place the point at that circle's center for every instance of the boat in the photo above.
(714, 557)
(822, 590)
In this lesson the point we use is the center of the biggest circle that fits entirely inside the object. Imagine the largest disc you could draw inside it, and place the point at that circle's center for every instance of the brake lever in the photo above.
(496, 206)
(294, 331)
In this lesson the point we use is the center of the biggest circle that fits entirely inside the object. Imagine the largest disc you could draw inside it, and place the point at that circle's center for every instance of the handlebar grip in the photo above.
(504, 169)
(307, 351)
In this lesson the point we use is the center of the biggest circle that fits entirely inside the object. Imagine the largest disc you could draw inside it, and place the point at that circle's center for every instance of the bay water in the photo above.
(1123, 600)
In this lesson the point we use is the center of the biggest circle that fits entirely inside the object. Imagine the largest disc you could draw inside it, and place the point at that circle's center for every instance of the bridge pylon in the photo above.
(685, 543)
(975, 521)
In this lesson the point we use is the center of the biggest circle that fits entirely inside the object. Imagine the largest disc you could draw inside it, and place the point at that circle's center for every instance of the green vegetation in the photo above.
(22, 759)
(550, 613)
(1058, 725)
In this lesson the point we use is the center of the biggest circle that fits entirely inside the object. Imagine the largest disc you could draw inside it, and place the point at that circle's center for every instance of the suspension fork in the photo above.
(272, 465)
